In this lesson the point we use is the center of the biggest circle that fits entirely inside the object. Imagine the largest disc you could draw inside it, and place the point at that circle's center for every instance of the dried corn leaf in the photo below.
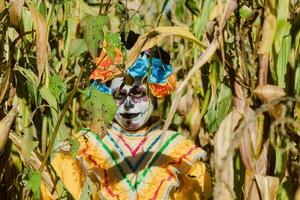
(224, 145)
(268, 29)
(6, 71)
(150, 39)
(193, 118)
(5, 125)
(268, 186)
(267, 93)
(15, 11)
(41, 38)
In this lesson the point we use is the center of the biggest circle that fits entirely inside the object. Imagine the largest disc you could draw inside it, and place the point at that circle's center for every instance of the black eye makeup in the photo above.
(120, 95)
(137, 92)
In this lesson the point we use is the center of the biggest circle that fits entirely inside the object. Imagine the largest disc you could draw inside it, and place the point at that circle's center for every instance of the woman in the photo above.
(131, 159)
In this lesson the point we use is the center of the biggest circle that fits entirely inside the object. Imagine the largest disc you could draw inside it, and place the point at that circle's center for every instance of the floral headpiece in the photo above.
(159, 75)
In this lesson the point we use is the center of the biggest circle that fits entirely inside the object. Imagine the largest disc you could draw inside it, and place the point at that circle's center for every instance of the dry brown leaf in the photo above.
(268, 186)
(41, 38)
(251, 190)
(150, 39)
(15, 11)
(262, 161)
(5, 80)
(268, 29)
(224, 146)
(249, 131)
(185, 102)
(267, 92)
(2, 5)
(5, 125)
(247, 151)
(193, 118)
(297, 195)
(205, 57)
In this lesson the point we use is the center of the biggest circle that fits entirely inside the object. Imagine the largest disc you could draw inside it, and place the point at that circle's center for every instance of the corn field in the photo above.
(237, 64)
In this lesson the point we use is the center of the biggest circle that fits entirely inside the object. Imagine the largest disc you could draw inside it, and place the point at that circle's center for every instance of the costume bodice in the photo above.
(143, 165)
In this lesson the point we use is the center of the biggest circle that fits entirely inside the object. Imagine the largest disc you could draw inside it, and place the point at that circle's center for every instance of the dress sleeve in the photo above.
(74, 171)
(70, 172)
(196, 184)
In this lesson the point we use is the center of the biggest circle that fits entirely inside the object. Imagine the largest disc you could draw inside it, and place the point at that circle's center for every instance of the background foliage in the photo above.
(238, 86)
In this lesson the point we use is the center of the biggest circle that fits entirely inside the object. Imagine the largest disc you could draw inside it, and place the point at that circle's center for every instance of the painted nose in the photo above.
(128, 104)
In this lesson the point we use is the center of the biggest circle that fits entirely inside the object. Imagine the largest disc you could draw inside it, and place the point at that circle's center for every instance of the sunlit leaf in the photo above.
(283, 61)
(78, 47)
(15, 12)
(245, 12)
(28, 144)
(92, 32)
(267, 185)
(41, 38)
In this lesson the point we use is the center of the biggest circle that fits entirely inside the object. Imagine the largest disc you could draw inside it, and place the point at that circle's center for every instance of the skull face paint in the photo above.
(134, 104)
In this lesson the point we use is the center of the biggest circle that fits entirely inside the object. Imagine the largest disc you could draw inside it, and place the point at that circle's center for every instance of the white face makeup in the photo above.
(134, 104)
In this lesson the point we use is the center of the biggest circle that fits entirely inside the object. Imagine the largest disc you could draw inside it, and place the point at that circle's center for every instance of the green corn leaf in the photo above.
(282, 30)
(245, 12)
(34, 182)
(92, 32)
(285, 190)
(219, 110)
(102, 106)
(74, 143)
(28, 145)
(48, 96)
(206, 10)
(78, 47)
(224, 103)
(180, 10)
(283, 61)
(58, 88)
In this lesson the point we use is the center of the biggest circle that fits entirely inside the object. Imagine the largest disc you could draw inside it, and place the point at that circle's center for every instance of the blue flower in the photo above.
(159, 71)
(100, 87)
(140, 68)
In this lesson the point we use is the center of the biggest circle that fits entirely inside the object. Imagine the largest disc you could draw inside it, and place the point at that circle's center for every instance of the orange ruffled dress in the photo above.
(132, 166)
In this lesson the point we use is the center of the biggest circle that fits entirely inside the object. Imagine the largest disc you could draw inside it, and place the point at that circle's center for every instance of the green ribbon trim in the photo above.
(132, 186)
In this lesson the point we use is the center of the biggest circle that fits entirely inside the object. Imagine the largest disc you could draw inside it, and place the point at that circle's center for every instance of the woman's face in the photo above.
(134, 105)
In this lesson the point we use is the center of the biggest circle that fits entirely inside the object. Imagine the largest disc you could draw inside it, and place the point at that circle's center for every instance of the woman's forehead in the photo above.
(117, 82)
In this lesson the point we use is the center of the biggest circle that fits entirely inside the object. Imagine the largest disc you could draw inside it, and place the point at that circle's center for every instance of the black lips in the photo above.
(129, 115)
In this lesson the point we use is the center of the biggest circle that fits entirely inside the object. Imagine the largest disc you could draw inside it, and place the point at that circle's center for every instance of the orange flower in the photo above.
(106, 67)
(161, 90)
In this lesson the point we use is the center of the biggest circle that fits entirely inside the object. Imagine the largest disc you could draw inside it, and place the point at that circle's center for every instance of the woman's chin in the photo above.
(130, 125)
